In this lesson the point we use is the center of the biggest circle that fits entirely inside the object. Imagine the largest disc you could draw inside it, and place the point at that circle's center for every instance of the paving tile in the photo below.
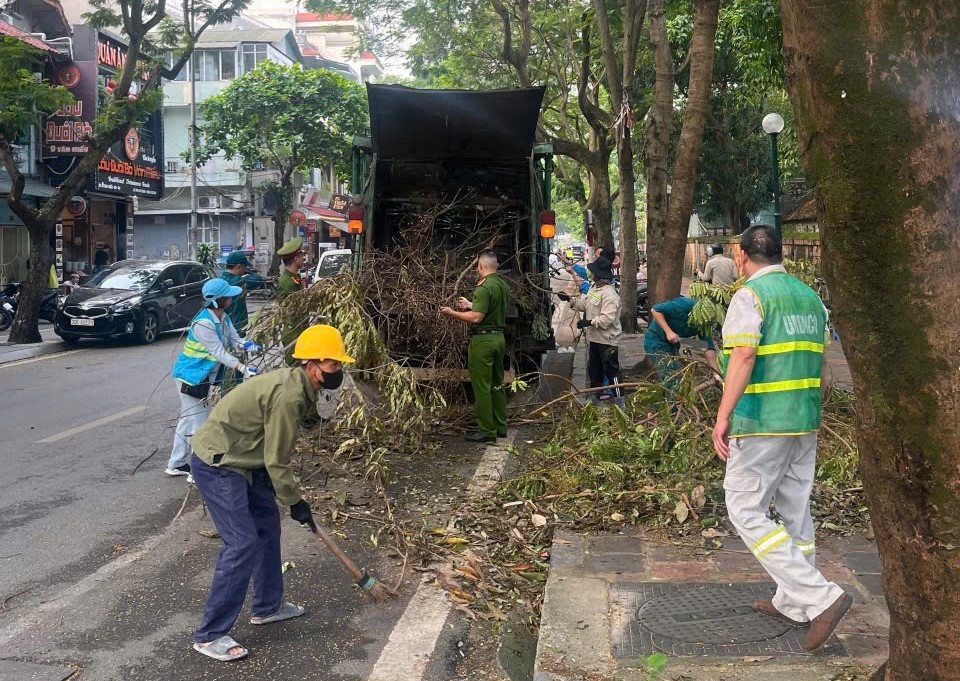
(12, 670)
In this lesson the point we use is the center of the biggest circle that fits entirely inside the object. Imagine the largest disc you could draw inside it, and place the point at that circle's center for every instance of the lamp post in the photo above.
(773, 126)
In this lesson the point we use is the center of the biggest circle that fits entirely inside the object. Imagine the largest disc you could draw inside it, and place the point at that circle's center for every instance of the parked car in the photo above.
(136, 299)
(332, 263)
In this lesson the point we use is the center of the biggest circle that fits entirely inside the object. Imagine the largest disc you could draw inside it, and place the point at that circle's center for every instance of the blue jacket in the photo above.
(195, 362)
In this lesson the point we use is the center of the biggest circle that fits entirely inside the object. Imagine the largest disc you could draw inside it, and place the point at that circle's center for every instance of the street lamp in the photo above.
(773, 126)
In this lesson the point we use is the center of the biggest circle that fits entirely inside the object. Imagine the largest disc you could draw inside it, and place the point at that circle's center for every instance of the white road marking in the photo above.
(52, 355)
(93, 424)
(413, 639)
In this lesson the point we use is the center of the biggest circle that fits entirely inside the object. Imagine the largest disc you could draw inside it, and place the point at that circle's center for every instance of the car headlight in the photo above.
(127, 305)
(61, 301)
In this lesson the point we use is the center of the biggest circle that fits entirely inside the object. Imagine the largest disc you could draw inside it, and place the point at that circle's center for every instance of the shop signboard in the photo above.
(66, 132)
(339, 203)
(131, 167)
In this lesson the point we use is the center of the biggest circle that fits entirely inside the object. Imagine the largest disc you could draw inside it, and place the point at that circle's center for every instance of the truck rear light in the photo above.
(355, 220)
(548, 222)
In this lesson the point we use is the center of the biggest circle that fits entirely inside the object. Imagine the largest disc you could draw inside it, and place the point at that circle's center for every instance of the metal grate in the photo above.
(686, 620)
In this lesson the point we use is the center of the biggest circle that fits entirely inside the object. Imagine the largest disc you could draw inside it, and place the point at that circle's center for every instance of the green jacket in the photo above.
(238, 308)
(783, 396)
(255, 426)
(288, 283)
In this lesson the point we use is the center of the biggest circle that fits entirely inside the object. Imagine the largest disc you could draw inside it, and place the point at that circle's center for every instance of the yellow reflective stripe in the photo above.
(783, 386)
(194, 349)
(740, 337)
(790, 346)
(806, 547)
(594, 296)
(770, 542)
(767, 537)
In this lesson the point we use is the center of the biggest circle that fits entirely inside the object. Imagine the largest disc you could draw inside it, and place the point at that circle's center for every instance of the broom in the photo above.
(378, 591)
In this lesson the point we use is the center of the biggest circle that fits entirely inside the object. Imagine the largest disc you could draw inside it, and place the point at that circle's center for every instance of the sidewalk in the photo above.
(612, 600)
(51, 343)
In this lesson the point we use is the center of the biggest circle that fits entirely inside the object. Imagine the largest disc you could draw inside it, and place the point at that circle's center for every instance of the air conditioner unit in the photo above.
(237, 200)
(208, 201)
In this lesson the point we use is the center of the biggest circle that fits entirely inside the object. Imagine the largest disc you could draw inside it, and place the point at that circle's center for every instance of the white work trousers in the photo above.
(762, 468)
(193, 414)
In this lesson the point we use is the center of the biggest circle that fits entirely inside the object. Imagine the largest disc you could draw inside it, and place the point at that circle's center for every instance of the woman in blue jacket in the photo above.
(210, 340)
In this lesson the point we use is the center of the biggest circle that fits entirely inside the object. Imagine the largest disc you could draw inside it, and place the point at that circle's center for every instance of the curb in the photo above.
(17, 352)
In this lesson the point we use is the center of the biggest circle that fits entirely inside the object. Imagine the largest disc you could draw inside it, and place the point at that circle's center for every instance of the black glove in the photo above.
(584, 323)
(563, 296)
(300, 512)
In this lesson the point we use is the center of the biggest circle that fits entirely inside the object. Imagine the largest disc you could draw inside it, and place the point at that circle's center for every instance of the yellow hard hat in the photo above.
(321, 342)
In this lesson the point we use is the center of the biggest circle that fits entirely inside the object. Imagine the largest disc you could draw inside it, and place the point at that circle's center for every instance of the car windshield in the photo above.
(333, 264)
(125, 278)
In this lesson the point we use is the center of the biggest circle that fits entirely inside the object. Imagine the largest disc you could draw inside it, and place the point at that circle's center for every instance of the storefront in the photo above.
(96, 227)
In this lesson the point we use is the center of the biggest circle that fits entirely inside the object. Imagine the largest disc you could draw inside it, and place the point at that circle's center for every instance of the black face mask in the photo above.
(332, 380)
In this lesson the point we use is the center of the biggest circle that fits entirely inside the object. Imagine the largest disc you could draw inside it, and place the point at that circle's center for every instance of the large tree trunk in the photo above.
(674, 243)
(628, 232)
(874, 85)
(600, 203)
(659, 123)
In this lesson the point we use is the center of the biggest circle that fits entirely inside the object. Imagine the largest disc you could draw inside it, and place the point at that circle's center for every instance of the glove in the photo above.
(584, 323)
(248, 371)
(300, 512)
(250, 346)
(563, 296)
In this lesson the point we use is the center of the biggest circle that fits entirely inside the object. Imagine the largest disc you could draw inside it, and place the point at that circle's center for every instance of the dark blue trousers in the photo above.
(248, 520)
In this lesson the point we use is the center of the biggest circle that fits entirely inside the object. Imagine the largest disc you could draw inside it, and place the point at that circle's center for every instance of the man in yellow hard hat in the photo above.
(241, 464)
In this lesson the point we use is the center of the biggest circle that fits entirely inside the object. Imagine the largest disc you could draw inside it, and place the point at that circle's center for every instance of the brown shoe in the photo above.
(765, 607)
(823, 624)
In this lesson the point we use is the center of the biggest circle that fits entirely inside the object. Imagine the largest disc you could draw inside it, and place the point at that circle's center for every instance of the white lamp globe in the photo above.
(773, 124)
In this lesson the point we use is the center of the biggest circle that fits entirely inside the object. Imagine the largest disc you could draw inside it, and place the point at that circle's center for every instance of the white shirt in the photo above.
(743, 325)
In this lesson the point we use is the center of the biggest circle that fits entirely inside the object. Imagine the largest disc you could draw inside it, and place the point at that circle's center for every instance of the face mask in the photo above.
(332, 380)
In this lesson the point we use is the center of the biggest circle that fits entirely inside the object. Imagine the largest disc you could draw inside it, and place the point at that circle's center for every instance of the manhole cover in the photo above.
(686, 620)
(712, 615)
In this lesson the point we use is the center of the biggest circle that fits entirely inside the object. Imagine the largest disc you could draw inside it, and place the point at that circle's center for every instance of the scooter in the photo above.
(48, 304)
(7, 312)
(643, 302)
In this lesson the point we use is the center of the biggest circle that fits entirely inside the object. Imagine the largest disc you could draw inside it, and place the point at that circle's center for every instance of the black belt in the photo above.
(484, 332)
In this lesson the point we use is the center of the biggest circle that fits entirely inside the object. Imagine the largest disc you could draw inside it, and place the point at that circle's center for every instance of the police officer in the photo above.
(766, 431)
(241, 464)
(487, 316)
(236, 273)
(291, 255)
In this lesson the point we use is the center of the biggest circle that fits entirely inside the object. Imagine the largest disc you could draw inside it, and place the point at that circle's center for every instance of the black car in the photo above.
(133, 299)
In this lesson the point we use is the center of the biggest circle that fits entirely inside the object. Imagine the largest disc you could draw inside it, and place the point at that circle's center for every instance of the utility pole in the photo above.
(194, 234)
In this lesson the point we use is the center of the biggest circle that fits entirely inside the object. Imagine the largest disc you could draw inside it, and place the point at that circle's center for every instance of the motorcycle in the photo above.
(7, 312)
(11, 297)
(643, 302)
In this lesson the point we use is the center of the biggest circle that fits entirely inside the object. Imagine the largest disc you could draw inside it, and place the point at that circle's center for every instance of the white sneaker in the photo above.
(182, 470)
(190, 480)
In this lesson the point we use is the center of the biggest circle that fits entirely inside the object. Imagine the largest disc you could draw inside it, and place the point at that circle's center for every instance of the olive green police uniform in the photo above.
(288, 283)
(485, 355)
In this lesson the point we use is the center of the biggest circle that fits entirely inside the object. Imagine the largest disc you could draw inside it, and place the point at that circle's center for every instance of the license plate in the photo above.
(81, 322)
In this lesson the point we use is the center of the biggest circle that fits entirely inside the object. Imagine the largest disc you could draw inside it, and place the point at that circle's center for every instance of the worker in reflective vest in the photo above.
(766, 431)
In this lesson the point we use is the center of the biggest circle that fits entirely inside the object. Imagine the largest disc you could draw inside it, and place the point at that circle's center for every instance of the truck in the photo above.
(473, 154)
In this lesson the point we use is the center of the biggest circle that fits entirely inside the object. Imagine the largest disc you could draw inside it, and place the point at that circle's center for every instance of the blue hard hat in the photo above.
(219, 288)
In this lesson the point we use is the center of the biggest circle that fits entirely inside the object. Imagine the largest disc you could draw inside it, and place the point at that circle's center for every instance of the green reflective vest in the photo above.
(783, 396)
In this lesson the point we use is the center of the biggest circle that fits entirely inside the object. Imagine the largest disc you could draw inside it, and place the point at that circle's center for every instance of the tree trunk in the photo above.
(673, 246)
(599, 203)
(628, 232)
(659, 123)
(25, 327)
(874, 86)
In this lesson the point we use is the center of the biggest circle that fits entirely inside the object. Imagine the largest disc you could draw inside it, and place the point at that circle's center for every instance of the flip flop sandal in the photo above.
(220, 649)
(285, 612)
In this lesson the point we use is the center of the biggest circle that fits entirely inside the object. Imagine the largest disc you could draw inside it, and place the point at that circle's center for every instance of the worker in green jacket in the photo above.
(236, 272)
(241, 464)
(291, 256)
(487, 316)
